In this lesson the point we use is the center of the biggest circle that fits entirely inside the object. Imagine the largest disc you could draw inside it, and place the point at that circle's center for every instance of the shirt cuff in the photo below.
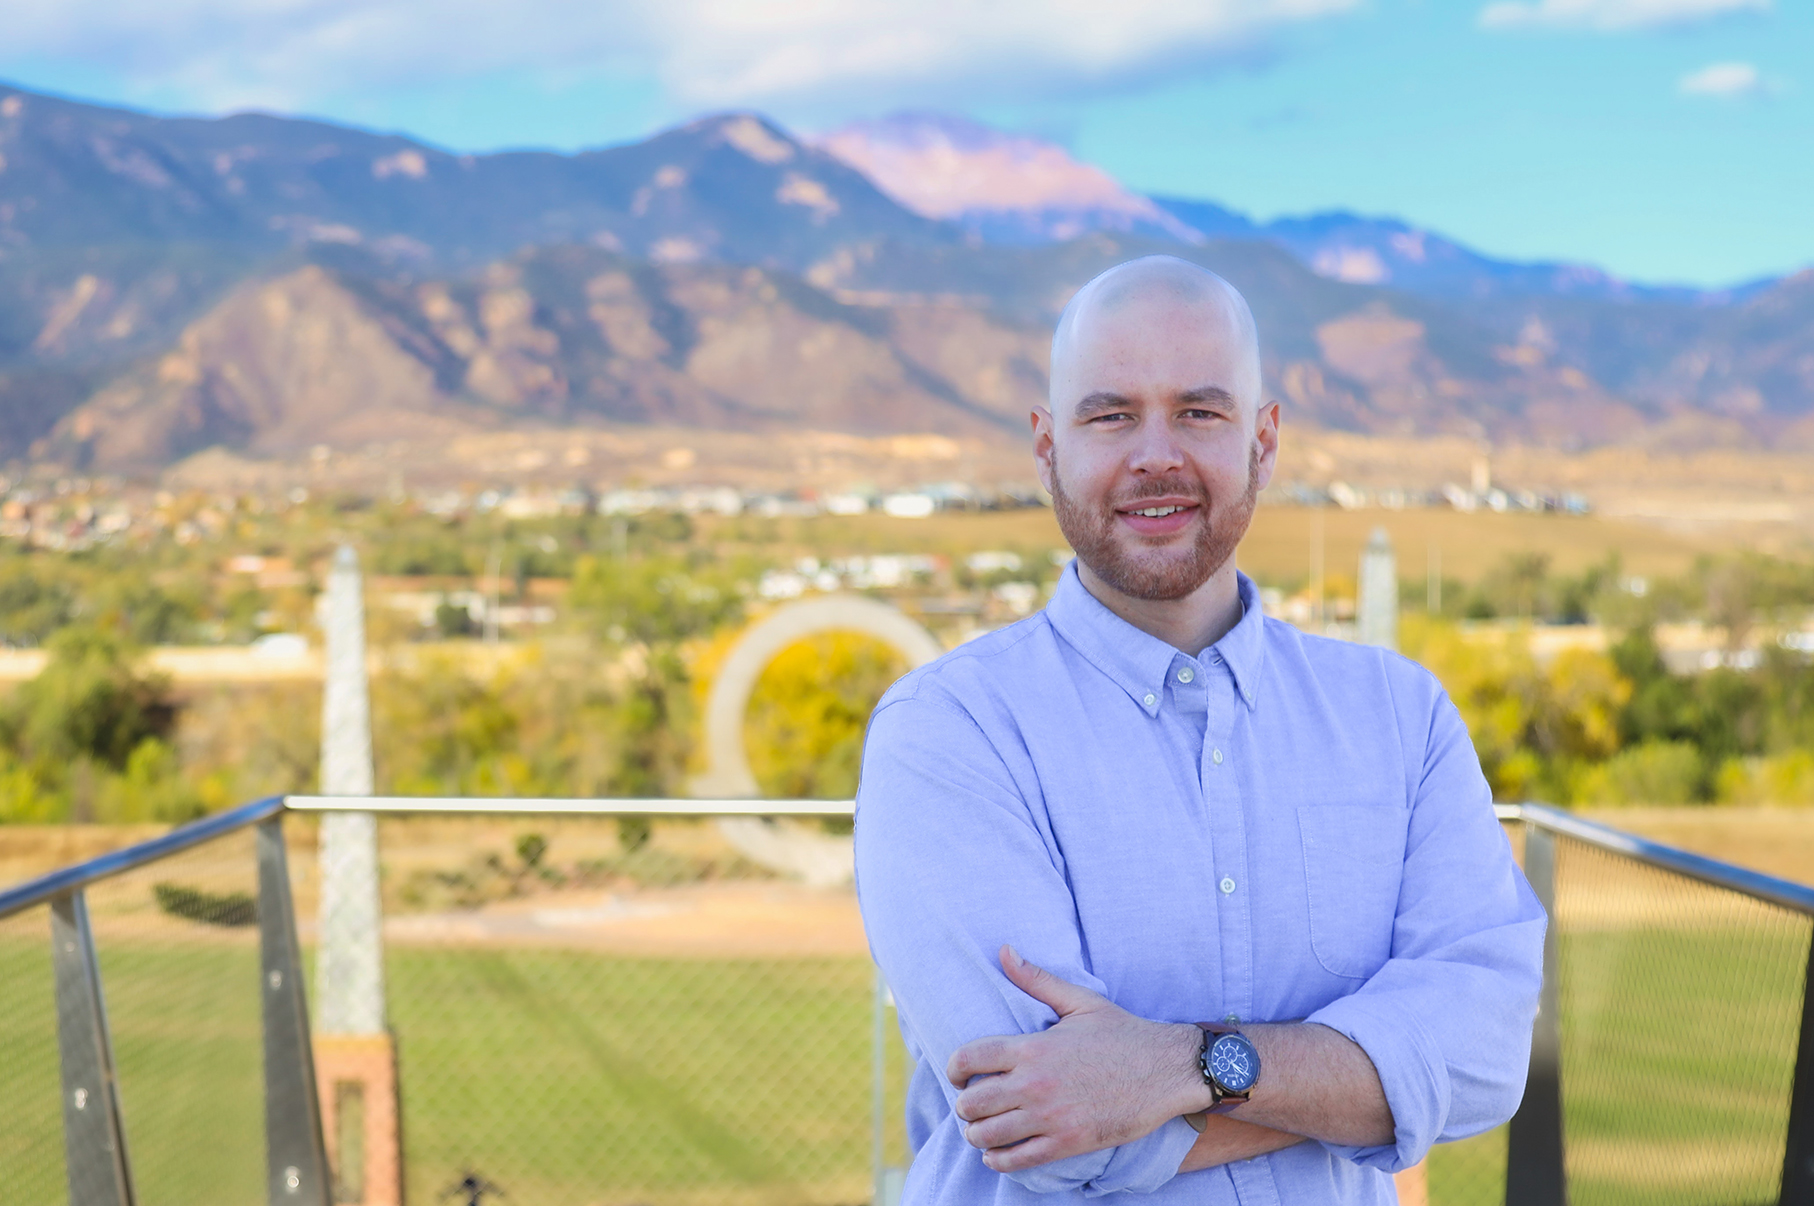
(1412, 1071)
(1145, 1164)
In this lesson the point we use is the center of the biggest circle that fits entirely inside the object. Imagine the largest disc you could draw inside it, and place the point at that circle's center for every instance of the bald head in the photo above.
(1156, 315)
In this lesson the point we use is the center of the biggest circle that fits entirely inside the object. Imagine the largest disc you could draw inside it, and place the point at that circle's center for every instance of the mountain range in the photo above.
(268, 285)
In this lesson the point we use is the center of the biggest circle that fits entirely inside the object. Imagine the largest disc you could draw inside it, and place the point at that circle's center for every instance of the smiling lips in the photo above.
(1159, 517)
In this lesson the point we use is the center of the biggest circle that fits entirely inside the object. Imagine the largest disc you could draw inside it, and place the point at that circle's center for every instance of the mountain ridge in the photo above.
(173, 284)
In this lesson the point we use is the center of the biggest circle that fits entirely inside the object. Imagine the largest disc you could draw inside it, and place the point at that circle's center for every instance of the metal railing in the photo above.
(1692, 912)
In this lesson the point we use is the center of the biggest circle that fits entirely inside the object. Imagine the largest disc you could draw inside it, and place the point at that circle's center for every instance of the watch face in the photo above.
(1234, 1063)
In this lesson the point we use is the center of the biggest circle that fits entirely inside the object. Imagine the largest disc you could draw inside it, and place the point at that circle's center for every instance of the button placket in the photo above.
(1222, 794)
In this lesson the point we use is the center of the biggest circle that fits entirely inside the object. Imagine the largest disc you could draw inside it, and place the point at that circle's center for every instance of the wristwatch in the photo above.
(1230, 1065)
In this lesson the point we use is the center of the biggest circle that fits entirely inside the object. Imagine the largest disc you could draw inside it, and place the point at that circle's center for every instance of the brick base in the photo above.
(369, 1061)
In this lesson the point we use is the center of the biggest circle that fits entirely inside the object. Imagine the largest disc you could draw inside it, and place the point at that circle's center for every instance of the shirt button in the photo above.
(1216, 757)
(1150, 699)
(1186, 674)
(1228, 885)
(1233, 1019)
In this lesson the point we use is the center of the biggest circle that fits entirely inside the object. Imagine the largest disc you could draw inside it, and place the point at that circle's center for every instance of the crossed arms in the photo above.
(1102, 1077)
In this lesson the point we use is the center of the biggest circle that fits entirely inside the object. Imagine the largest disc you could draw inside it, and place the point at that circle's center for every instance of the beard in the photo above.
(1144, 572)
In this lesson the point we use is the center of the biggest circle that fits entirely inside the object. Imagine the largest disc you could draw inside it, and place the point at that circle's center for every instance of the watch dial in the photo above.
(1234, 1062)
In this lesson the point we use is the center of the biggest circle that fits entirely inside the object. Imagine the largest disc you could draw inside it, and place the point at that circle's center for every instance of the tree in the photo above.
(90, 702)
(654, 599)
(809, 712)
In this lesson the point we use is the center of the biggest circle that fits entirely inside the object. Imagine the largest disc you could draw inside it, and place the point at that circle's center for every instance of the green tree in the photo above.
(91, 701)
(654, 599)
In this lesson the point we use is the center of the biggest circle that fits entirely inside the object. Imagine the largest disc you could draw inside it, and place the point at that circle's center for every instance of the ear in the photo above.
(1266, 433)
(1042, 445)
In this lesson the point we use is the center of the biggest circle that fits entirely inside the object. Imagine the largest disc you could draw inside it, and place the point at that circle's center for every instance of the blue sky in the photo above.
(1665, 140)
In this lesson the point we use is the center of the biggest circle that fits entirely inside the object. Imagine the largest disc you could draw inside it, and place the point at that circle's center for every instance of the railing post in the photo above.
(94, 1141)
(296, 1159)
(1535, 1171)
(888, 1181)
(1798, 1151)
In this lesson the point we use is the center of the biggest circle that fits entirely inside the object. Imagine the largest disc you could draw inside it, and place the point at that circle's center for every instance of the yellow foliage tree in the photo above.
(807, 716)
(1535, 726)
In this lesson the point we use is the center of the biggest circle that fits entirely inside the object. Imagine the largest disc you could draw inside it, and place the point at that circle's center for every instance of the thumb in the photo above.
(1064, 997)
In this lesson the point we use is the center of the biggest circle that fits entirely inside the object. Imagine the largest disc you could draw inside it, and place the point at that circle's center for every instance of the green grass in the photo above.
(1678, 1051)
(569, 1076)
(185, 1027)
(563, 1076)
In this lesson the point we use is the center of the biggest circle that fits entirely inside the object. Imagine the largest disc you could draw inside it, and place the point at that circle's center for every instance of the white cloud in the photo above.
(1722, 79)
(286, 53)
(1610, 15)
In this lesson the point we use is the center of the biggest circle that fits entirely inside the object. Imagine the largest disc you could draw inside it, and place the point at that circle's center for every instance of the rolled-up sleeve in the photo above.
(1447, 1019)
(951, 864)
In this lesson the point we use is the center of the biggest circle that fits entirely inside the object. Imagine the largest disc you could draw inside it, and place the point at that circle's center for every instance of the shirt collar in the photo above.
(1137, 661)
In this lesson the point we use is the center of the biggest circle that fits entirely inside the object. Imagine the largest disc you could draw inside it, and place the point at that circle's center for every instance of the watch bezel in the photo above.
(1253, 1053)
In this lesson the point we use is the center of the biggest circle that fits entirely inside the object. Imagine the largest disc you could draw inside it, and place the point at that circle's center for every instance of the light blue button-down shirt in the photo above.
(1282, 827)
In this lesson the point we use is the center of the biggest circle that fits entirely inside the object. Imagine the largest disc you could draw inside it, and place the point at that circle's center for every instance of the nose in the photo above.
(1156, 450)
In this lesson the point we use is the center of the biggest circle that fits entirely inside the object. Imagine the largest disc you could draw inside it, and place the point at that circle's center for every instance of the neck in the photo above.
(1190, 624)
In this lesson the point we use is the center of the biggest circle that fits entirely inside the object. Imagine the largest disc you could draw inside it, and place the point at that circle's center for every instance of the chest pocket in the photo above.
(1354, 857)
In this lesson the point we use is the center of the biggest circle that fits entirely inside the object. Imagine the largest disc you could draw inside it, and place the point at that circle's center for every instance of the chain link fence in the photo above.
(177, 943)
(1681, 1006)
(177, 949)
(31, 1111)
(594, 1012)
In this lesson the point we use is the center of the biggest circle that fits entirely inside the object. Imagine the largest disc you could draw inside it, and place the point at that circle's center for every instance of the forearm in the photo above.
(1318, 1084)
(1225, 1140)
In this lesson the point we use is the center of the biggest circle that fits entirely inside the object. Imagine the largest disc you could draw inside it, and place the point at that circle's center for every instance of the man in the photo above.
(1149, 806)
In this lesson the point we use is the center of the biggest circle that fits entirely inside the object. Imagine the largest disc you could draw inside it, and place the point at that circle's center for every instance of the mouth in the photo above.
(1158, 518)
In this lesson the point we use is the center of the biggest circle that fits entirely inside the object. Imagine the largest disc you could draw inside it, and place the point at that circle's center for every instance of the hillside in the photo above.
(560, 337)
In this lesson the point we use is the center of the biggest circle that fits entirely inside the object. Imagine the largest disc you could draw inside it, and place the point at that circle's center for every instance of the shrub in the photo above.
(1782, 779)
(1656, 772)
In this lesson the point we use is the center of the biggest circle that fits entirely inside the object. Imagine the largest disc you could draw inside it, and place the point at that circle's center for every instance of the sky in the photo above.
(1664, 140)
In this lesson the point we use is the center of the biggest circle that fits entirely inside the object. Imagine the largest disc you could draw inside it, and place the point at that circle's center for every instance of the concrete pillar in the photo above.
(1377, 621)
(354, 1053)
(350, 967)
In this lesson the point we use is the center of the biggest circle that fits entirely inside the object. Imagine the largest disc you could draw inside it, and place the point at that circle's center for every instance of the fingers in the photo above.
(1040, 1150)
(1061, 995)
(1002, 1130)
(982, 1057)
(990, 1095)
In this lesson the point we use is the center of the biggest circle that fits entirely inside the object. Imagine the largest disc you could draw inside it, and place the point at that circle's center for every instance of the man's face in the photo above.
(1155, 447)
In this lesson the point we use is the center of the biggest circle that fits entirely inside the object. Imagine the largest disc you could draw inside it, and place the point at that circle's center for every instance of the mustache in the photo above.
(1161, 488)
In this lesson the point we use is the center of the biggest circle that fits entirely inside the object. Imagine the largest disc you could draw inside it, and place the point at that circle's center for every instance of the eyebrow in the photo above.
(1106, 400)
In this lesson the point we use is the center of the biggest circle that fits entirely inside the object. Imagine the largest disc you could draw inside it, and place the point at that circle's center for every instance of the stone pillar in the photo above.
(354, 1052)
(1377, 619)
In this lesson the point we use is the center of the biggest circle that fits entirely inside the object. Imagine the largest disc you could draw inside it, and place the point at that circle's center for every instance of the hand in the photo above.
(1099, 1078)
